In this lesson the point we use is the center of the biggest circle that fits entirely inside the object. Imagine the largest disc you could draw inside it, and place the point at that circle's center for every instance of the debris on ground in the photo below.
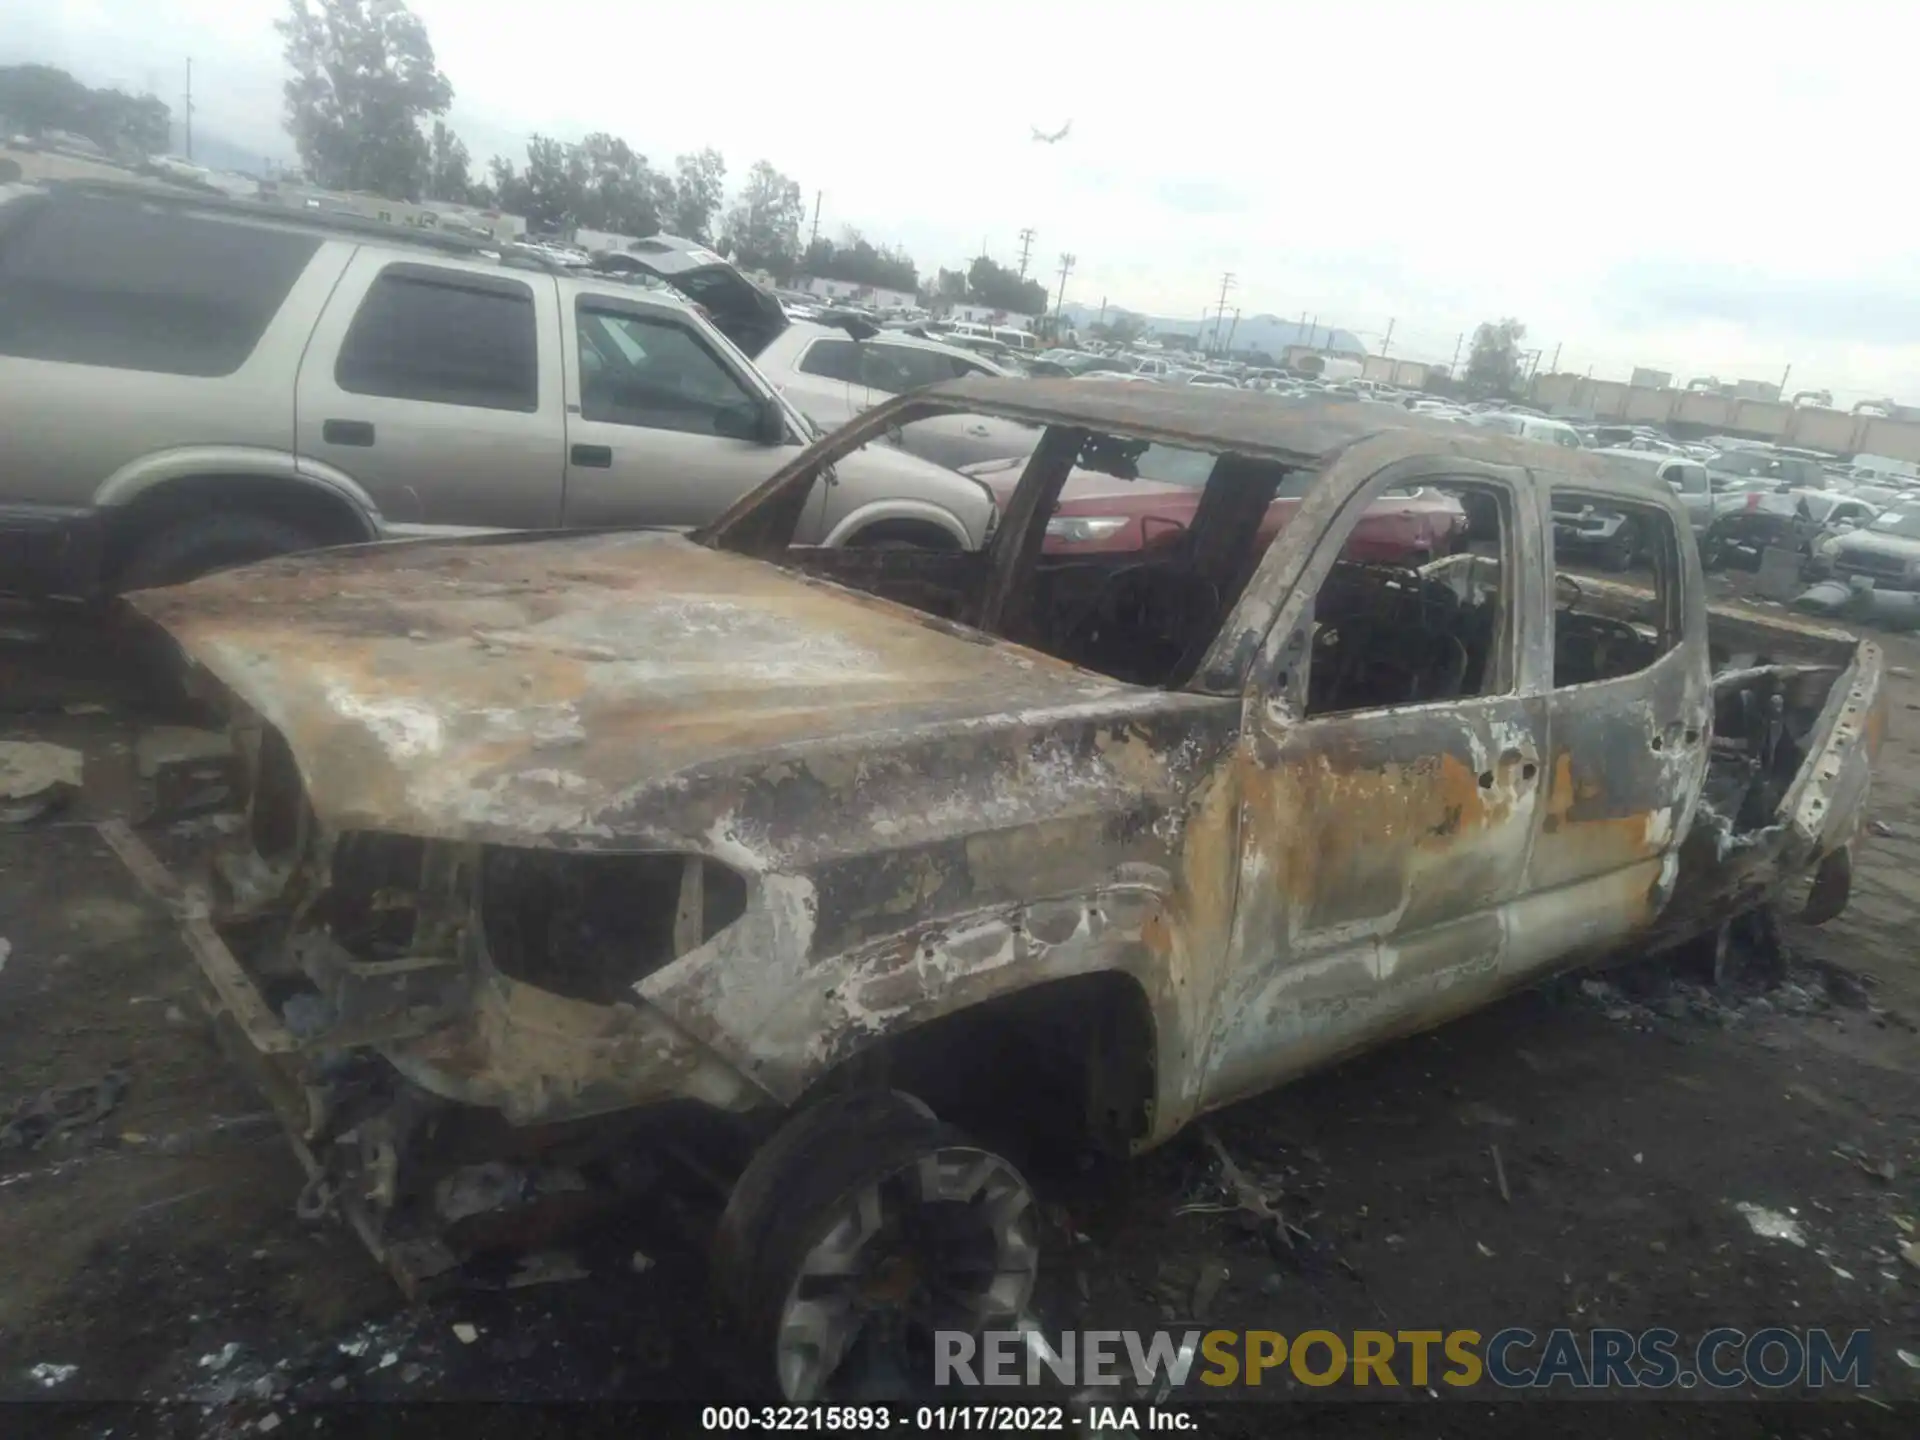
(52, 1375)
(6, 949)
(1771, 1224)
(1247, 1197)
(36, 779)
(221, 1358)
(546, 1267)
(62, 1109)
(1882, 1170)
(466, 1334)
(1206, 1289)
(1911, 1254)
(1500, 1174)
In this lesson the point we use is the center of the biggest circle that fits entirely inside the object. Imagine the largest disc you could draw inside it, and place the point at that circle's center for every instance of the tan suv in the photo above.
(187, 384)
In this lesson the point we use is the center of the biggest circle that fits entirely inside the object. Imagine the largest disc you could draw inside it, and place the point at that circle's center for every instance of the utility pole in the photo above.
(1454, 368)
(1231, 328)
(1313, 331)
(815, 233)
(1026, 245)
(1066, 268)
(1220, 312)
(1103, 310)
(1386, 339)
(1783, 381)
(186, 110)
(1553, 367)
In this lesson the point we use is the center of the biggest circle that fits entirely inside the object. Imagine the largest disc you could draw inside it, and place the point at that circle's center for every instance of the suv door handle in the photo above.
(594, 457)
(346, 432)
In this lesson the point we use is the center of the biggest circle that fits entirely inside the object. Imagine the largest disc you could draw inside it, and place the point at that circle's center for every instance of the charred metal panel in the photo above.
(1377, 854)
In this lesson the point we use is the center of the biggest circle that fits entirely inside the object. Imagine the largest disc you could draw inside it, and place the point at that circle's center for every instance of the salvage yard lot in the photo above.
(157, 1252)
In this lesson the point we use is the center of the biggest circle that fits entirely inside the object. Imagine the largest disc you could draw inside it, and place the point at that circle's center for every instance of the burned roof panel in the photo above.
(1303, 432)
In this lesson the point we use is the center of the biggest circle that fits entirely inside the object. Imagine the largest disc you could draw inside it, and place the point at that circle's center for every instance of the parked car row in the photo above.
(188, 383)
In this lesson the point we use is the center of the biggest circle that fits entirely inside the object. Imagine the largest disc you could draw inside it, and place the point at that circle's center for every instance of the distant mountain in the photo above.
(1253, 332)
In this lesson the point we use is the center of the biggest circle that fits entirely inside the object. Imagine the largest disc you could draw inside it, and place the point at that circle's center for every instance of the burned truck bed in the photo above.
(828, 878)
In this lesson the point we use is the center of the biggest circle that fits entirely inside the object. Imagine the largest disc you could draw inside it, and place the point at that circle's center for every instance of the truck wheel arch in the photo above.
(899, 519)
(1065, 1062)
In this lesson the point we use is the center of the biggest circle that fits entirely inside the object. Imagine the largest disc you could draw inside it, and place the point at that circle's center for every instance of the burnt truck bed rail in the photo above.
(569, 855)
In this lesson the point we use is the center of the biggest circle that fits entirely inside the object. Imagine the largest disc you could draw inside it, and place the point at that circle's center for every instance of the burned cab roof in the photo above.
(1299, 432)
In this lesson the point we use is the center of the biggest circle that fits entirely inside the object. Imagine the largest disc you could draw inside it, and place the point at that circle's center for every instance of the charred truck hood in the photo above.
(638, 691)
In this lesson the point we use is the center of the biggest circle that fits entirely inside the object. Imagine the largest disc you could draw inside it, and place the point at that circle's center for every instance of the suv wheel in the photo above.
(862, 1228)
(189, 548)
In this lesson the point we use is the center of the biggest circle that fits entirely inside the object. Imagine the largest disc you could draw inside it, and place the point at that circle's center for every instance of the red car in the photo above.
(1100, 513)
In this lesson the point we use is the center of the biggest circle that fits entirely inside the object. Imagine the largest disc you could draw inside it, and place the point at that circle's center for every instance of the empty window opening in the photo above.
(1607, 628)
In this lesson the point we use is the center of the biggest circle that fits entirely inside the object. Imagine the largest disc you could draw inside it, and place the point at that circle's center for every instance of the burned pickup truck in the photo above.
(854, 879)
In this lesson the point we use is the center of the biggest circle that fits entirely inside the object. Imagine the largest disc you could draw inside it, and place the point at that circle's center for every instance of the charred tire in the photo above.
(201, 544)
(861, 1228)
(1619, 553)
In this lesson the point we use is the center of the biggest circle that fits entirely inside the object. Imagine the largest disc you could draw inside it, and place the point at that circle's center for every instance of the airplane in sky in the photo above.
(1047, 139)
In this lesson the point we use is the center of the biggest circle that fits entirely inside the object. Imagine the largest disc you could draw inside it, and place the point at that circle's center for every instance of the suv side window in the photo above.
(641, 370)
(832, 360)
(444, 337)
(95, 280)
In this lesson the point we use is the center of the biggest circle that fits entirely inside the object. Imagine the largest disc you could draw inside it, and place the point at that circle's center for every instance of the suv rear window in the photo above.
(94, 280)
(443, 336)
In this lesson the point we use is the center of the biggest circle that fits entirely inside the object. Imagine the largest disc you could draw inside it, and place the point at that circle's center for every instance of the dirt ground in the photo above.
(158, 1253)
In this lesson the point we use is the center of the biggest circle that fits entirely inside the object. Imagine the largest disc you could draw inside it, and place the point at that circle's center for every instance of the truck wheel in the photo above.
(1619, 552)
(202, 544)
(859, 1230)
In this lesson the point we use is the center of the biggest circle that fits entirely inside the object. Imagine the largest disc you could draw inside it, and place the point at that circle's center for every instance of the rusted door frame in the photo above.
(1450, 787)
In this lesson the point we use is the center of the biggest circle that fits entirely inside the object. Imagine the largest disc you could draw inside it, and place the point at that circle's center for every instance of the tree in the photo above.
(364, 77)
(858, 260)
(39, 97)
(550, 191)
(699, 187)
(763, 228)
(951, 285)
(999, 288)
(1493, 365)
(618, 191)
(1123, 329)
(448, 175)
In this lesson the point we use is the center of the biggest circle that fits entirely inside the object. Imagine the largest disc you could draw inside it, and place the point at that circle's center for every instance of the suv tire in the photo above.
(188, 549)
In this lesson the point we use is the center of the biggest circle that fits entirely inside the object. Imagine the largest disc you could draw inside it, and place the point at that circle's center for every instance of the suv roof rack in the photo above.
(332, 220)
(506, 253)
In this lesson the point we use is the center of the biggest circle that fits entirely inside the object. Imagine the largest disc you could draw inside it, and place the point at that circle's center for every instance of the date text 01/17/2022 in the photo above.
(931, 1419)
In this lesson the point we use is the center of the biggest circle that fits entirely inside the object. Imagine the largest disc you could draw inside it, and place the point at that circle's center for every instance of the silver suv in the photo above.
(187, 384)
(834, 373)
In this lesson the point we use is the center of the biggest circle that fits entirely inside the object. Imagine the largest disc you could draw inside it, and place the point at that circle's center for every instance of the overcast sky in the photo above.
(1701, 188)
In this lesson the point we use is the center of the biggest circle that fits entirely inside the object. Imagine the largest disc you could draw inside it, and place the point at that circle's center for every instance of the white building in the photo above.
(873, 296)
(961, 310)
